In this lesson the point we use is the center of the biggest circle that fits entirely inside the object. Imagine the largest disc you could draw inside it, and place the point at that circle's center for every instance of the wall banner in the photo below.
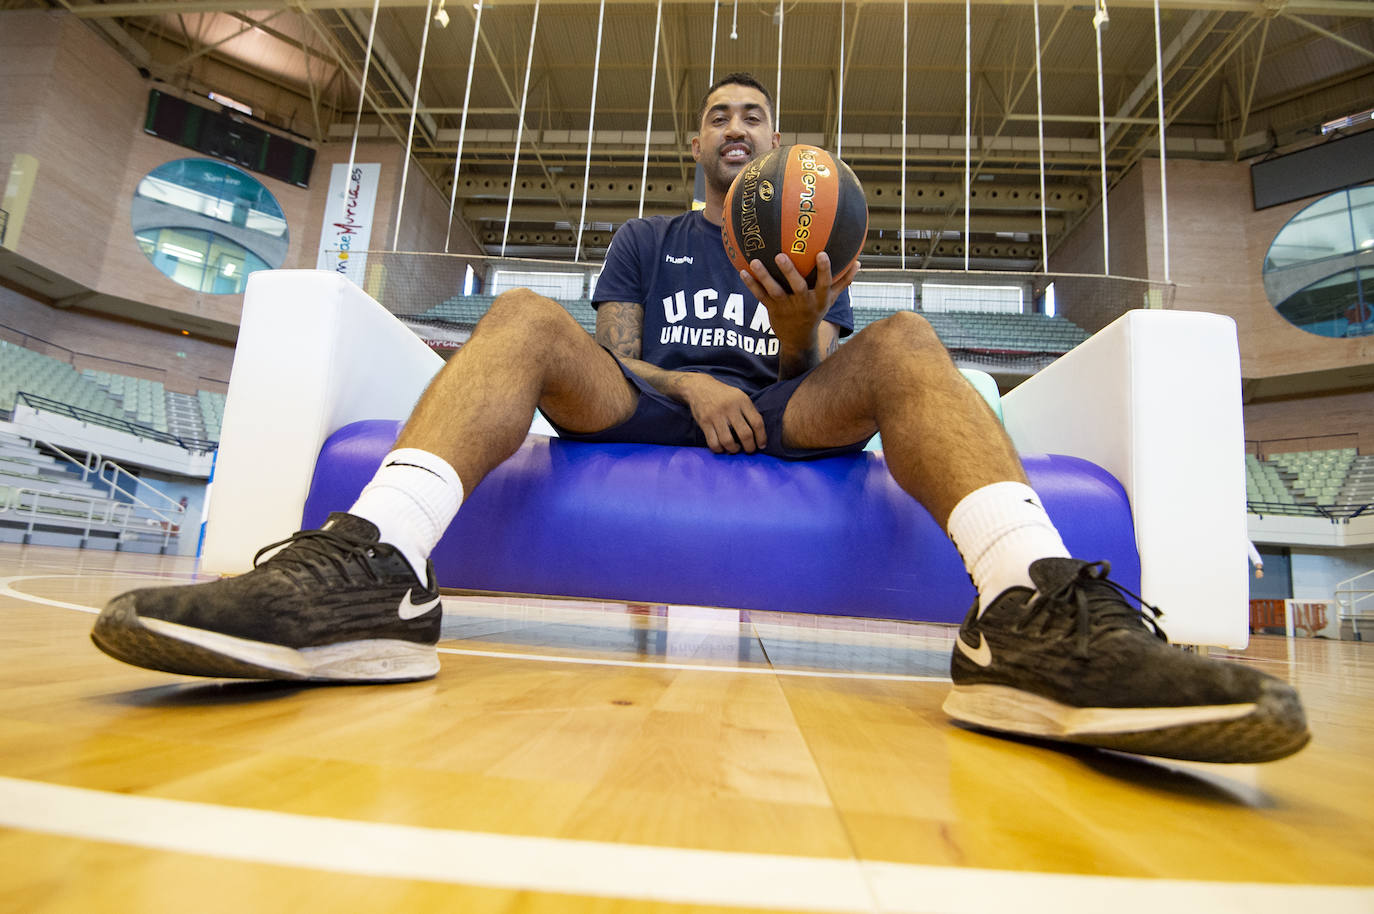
(348, 217)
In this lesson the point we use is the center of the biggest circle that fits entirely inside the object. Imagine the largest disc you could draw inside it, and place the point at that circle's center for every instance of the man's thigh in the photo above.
(827, 409)
(654, 418)
(801, 419)
(588, 392)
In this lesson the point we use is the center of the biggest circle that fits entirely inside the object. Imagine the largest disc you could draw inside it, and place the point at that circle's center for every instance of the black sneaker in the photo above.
(1075, 661)
(334, 605)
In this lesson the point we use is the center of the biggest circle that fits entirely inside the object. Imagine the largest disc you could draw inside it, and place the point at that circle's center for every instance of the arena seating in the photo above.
(44, 500)
(983, 331)
(1111, 410)
(139, 401)
(1302, 482)
(142, 401)
(32, 372)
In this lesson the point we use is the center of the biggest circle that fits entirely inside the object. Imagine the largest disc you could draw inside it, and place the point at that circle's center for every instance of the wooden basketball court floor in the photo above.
(604, 757)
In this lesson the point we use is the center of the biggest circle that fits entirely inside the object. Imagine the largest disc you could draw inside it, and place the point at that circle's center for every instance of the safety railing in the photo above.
(195, 445)
(1337, 514)
(1353, 596)
(117, 514)
(88, 515)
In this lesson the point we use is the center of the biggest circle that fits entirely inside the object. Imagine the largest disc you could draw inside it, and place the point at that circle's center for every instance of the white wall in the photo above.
(1316, 572)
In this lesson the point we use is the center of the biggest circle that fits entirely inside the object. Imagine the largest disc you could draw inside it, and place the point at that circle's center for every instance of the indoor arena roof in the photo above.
(1242, 79)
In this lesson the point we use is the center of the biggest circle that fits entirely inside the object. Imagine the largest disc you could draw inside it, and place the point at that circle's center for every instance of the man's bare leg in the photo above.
(943, 445)
(940, 439)
(526, 352)
(1092, 669)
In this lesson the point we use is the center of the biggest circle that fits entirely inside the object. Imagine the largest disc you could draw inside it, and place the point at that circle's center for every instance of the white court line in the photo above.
(703, 667)
(7, 590)
(631, 871)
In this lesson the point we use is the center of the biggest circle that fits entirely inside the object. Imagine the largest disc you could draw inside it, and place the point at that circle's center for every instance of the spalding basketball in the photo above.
(798, 200)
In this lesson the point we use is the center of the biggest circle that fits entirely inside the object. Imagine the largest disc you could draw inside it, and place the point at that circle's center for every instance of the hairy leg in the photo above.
(940, 438)
(526, 352)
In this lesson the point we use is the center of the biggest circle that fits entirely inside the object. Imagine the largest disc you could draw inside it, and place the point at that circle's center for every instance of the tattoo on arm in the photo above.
(620, 328)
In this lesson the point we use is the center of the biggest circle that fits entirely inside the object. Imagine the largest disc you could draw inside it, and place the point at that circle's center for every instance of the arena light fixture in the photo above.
(441, 16)
(1350, 120)
(228, 102)
(181, 253)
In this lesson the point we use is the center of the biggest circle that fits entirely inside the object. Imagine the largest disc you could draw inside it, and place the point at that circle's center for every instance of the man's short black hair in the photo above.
(736, 79)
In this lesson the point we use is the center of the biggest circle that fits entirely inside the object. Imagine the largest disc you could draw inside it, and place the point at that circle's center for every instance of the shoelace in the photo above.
(312, 549)
(1113, 610)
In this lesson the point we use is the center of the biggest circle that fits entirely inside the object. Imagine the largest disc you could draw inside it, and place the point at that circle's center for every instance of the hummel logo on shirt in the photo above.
(669, 258)
(410, 610)
(981, 655)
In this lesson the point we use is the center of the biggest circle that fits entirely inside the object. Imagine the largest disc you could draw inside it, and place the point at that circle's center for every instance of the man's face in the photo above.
(735, 129)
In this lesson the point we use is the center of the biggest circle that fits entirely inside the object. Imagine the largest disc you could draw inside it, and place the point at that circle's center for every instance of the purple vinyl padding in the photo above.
(652, 524)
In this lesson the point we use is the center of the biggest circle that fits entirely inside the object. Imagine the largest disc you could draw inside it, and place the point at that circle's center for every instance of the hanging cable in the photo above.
(901, 185)
(410, 134)
(520, 128)
(839, 122)
(715, 21)
(1040, 133)
(1100, 19)
(1163, 178)
(648, 127)
(968, 118)
(591, 131)
(463, 122)
(362, 91)
(777, 92)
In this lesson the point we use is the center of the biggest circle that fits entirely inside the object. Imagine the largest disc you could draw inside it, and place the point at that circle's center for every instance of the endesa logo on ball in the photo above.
(812, 193)
(798, 200)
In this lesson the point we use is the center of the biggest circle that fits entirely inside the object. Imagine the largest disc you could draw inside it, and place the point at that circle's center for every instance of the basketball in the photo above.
(798, 200)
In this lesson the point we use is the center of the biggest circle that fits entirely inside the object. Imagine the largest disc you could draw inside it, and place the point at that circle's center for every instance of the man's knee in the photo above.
(903, 332)
(528, 310)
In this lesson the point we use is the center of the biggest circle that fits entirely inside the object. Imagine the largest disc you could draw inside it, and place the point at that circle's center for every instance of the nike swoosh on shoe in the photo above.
(410, 610)
(981, 655)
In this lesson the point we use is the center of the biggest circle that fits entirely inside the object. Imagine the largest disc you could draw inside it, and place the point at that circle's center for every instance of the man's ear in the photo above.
(696, 149)
(777, 140)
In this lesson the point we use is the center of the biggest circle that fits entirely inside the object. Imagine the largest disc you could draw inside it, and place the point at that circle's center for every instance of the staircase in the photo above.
(184, 417)
(1355, 597)
(48, 497)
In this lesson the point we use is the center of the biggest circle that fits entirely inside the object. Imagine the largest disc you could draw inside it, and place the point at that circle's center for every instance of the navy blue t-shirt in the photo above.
(698, 314)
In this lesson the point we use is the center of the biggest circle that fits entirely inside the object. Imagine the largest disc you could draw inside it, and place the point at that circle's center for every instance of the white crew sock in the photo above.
(999, 530)
(412, 499)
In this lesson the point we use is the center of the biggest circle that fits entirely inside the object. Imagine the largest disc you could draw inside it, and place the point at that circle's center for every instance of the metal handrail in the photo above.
(1337, 514)
(177, 508)
(1346, 589)
(122, 425)
(115, 515)
(94, 462)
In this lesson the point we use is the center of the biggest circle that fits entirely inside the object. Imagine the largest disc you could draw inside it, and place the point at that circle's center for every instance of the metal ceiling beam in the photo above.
(1355, 8)
(1144, 91)
(1287, 14)
(250, 25)
(984, 223)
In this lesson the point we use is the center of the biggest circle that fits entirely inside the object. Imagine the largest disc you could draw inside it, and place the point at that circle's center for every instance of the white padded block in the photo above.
(314, 353)
(1155, 399)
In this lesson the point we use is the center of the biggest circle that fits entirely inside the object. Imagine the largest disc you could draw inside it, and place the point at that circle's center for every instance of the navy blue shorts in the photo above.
(659, 419)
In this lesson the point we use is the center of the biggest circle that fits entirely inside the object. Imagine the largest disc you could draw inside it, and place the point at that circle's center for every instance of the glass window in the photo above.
(206, 225)
(898, 295)
(1319, 270)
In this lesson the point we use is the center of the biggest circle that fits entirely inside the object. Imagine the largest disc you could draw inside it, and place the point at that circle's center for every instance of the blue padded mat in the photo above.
(653, 524)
